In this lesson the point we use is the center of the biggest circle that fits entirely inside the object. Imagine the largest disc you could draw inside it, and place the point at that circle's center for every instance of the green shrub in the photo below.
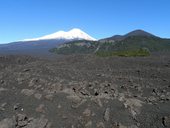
(127, 53)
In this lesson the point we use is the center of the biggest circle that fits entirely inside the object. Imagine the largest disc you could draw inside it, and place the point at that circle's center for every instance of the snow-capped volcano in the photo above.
(74, 34)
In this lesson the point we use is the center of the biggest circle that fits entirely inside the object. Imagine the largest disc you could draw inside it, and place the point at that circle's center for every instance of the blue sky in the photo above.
(21, 19)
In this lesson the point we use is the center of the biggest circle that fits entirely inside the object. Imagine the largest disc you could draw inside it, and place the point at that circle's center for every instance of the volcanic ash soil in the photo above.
(84, 91)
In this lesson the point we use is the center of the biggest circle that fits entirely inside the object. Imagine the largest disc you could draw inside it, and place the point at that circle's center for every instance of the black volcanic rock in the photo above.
(85, 91)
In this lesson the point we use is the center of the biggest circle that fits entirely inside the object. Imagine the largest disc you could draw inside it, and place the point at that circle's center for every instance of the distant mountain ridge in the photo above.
(76, 41)
(43, 44)
(137, 32)
(132, 41)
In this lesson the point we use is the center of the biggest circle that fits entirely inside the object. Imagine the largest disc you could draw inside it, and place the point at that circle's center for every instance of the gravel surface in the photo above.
(84, 91)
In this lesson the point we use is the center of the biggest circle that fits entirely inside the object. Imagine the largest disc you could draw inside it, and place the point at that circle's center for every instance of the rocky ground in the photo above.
(84, 91)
